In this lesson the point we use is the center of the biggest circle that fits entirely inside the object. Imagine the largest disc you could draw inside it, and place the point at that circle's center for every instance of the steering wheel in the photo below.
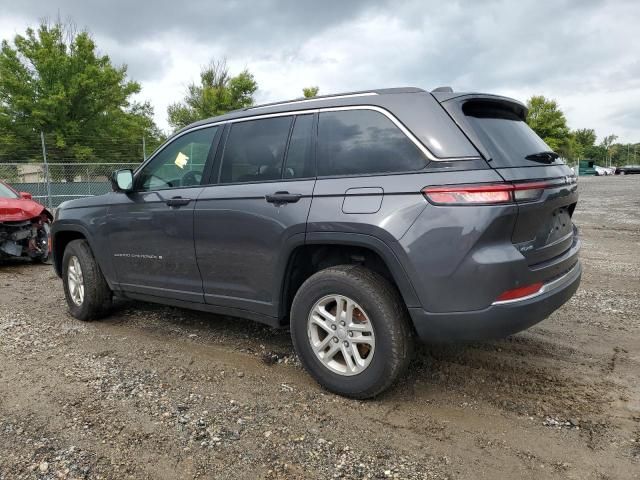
(191, 178)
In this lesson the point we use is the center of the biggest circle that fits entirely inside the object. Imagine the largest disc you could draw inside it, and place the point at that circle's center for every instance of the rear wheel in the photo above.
(85, 288)
(351, 331)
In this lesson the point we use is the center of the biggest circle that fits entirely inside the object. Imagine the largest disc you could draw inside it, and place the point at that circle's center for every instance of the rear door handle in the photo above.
(283, 197)
(178, 202)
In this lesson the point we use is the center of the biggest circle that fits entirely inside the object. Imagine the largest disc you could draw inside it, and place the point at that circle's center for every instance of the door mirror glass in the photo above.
(122, 181)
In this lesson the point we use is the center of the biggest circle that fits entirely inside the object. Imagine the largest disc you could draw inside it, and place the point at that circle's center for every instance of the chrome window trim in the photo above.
(374, 108)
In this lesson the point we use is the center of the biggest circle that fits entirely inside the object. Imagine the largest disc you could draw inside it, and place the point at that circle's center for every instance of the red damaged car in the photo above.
(24, 226)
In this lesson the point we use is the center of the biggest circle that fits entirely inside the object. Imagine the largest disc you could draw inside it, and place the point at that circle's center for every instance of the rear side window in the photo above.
(355, 142)
(299, 163)
(254, 151)
(503, 133)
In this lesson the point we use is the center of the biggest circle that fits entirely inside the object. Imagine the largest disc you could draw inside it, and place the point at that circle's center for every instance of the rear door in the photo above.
(256, 213)
(497, 127)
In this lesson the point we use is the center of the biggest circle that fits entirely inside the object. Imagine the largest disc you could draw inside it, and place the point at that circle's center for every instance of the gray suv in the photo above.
(361, 221)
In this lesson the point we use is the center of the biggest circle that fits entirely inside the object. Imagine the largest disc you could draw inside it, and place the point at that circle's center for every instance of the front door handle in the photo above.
(283, 197)
(178, 202)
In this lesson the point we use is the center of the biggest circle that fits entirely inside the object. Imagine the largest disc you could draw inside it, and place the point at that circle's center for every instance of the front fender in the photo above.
(90, 224)
(58, 228)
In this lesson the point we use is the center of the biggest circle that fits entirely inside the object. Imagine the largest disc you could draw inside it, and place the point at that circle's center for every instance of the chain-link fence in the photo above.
(55, 167)
(51, 184)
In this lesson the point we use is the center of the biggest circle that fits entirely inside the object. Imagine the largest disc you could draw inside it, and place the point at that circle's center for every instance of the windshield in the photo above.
(6, 192)
(505, 136)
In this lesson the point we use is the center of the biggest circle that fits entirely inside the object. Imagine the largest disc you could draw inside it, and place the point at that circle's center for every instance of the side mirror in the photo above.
(122, 180)
(25, 195)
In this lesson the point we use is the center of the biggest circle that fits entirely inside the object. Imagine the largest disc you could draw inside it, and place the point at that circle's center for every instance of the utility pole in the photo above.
(46, 171)
(144, 149)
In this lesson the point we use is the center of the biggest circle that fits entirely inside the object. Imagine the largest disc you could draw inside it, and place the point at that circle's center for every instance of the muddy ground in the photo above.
(160, 393)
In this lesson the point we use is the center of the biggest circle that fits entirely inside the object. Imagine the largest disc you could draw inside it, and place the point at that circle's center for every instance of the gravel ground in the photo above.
(156, 392)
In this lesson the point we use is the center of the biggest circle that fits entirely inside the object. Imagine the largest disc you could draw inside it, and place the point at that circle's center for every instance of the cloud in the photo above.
(583, 54)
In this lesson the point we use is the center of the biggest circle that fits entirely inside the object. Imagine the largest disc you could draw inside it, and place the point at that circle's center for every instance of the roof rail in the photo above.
(312, 99)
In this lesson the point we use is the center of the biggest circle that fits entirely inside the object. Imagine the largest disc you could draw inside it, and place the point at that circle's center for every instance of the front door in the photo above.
(151, 229)
(246, 225)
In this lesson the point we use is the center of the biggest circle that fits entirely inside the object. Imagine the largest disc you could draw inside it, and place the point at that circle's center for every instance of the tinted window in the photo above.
(254, 150)
(364, 141)
(179, 164)
(505, 136)
(299, 163)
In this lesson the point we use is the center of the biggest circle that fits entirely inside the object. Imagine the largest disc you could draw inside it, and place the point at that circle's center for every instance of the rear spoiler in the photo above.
(449, 99)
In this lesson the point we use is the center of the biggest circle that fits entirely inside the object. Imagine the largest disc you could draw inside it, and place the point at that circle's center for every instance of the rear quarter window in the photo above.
(355, 142)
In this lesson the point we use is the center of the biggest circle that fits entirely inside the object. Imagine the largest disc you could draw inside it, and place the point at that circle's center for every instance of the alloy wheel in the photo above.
(341, 335)
(75, 281)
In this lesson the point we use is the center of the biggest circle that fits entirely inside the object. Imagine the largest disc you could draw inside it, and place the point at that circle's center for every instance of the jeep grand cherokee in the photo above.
(361, 221)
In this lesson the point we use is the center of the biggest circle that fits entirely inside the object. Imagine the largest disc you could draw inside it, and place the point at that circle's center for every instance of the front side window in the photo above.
(180, 164)
(355, 142)
(255, 150)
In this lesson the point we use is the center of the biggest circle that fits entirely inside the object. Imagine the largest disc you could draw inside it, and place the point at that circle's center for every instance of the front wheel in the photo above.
(85, 288)
(350, 329)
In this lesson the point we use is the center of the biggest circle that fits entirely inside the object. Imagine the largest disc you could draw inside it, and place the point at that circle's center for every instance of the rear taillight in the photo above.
(486, 194)
(466, 194)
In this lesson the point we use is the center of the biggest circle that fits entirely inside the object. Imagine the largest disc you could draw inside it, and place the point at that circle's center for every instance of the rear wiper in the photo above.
(543, 157)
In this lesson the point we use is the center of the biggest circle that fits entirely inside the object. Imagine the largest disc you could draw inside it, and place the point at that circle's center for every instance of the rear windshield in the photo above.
(6, 192)
(505, 136)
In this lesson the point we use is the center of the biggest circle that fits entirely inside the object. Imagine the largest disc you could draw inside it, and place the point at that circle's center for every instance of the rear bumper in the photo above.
(498, 320)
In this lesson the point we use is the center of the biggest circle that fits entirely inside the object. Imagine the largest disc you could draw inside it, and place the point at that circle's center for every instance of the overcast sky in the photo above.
(585, 54)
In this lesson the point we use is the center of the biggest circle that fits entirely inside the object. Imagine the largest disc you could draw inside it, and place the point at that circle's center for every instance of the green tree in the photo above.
(569, 148)
(310, 92)
(548, 121)
(609, 147)
(586, 137)
(53, 80)
(217, 93)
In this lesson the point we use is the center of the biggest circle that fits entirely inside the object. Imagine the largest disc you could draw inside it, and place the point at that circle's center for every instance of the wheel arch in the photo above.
(322, 250)
(61, 237)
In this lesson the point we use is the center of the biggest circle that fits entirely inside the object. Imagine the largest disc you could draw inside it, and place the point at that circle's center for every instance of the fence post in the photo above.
(47, 179)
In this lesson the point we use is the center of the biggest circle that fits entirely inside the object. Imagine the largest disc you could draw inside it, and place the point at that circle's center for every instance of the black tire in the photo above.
(97, 294)
(394, 339)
